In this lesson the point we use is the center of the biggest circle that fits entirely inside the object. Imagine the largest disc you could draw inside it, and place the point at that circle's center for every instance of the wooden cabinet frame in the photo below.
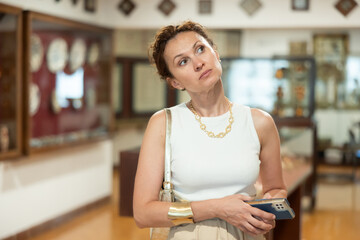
(17, 151)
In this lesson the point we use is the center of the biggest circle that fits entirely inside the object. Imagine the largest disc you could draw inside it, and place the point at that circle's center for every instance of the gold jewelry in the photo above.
(203, 126)
(180, 213)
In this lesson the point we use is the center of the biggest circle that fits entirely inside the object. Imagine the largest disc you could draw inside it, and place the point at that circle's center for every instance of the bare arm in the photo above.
(270, 168)
(149, 212)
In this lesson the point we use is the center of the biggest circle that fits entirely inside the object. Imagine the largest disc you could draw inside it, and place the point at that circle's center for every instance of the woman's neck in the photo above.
(210, 104)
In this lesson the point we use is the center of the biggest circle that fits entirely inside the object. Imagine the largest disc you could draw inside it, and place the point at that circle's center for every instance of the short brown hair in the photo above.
(157, 48)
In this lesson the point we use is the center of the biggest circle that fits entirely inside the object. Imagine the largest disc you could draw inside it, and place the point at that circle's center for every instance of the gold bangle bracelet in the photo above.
(180, 213)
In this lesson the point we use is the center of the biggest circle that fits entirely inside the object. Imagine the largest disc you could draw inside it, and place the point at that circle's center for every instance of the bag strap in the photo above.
(167, 170)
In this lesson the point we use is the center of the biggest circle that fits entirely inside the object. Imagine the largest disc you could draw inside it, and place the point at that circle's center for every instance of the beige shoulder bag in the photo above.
(166, 194)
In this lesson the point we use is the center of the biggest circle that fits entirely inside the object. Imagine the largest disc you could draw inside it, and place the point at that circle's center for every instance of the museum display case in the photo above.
(67, 82)
(283, 86)
(10, 82)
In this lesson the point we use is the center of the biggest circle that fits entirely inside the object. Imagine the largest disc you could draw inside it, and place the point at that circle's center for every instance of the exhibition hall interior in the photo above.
(77, 91)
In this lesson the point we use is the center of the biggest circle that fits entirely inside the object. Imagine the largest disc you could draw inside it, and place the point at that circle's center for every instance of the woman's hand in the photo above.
(248, 219)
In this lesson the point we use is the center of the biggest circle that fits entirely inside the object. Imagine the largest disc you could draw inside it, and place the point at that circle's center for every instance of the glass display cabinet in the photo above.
(10, 82)
(283, 87)
(67, 78)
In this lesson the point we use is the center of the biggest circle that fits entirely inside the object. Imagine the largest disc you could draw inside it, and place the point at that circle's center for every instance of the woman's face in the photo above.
(193, 63)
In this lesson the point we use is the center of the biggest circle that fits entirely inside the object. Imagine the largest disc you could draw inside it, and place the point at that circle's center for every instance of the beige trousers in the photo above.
(212, 229)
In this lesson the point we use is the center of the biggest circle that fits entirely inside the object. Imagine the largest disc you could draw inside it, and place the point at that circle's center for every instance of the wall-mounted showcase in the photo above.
(10, 81)
(67, 79)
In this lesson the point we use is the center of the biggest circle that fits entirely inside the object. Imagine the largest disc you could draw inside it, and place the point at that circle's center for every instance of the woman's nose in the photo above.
(198, 64)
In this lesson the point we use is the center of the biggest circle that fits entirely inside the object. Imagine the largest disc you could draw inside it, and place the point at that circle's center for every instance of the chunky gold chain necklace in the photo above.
(203, 126)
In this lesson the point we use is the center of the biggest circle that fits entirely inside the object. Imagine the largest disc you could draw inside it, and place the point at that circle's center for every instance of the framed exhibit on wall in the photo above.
(300, 5)
(205, 6)
(68, 82)
(142, 92)
(90, 5)
(345, 6)
(149, 92)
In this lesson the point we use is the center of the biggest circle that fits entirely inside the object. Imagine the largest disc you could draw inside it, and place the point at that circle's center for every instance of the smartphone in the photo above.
(280, 207)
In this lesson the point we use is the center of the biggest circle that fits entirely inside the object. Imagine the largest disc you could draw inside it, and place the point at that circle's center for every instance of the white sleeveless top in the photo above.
(207, 168)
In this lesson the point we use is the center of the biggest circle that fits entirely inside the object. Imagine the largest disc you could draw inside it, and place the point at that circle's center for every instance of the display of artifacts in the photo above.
(330, 48)
(76, 104)
(299, 71)
(351, 86)
(93, 54)
(278, 78)
(330, 52)
(35, 99)
(250, 6)
(58, 91)
(279, 103)
(57, 55)
(90, 5)
(149, 92)
(205, 6)
(74, 2)
(37, 53)
(4, 138)
(345, 6)
(55, 106)
(298, 48)
(300, 95)
(126, 6)
(328, 70)
(166, 7)
(300, 5)
(77, 54)
(280, 73)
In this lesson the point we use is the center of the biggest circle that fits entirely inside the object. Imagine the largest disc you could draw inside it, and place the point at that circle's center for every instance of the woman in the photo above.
(218, 148)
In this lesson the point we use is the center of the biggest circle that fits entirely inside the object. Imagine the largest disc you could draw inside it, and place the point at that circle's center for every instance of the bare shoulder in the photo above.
(158, 117)
(263, 122)
(261, 118)
(156, 126)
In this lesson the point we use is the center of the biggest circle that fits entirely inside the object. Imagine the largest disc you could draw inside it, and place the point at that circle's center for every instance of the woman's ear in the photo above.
(174, 83)
(217, 55)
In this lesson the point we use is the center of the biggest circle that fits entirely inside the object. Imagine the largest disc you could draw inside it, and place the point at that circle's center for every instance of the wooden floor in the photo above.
(337, 212)
(337, 216)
